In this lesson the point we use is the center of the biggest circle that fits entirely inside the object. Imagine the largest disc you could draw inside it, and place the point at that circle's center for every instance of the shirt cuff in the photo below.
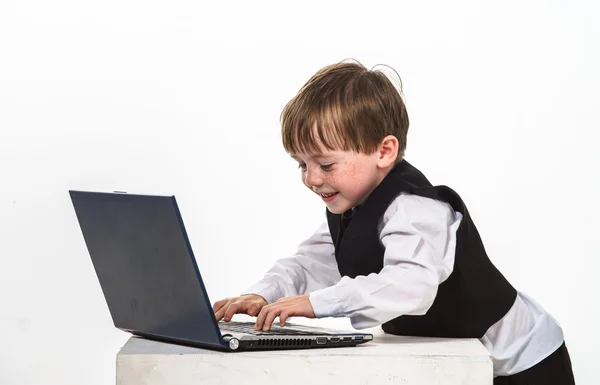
(327, 303)
(267, 290)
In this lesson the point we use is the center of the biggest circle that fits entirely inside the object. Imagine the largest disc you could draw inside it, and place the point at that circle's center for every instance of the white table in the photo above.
(385, 360)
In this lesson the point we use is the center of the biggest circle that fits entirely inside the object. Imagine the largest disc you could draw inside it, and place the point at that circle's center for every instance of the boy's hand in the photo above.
(249, 304)
(284, 308)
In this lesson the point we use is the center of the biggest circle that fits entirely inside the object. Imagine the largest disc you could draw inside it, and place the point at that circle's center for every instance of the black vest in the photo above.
(474, 297)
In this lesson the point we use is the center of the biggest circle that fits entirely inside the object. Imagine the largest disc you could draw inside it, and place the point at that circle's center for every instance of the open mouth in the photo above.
(328, 196)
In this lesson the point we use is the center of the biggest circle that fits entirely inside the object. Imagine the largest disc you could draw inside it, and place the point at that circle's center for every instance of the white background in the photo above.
(183, 98)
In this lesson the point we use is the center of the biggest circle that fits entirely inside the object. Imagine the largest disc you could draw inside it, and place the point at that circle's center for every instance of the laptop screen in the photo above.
(146, 266)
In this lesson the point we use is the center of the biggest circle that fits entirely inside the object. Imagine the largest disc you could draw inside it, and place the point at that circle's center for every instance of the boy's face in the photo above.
(343, 179)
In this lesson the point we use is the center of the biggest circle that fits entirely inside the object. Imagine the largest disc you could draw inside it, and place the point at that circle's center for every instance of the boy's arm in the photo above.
(313, 267)
(419, 236)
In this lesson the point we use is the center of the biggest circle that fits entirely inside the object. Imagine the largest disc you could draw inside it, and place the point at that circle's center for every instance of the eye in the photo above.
(302, 166)
(326, 167)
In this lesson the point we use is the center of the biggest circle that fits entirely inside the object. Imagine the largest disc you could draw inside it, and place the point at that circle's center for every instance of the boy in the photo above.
(395, 250)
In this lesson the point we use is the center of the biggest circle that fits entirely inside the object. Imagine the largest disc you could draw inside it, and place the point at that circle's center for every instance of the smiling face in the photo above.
(344, 179)
(346, 127)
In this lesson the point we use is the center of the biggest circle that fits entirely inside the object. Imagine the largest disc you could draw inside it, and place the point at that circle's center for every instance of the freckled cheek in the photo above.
(348, 176)
(346, 182)
(354, 182)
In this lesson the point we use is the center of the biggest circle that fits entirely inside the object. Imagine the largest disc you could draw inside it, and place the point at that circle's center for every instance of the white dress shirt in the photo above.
(419, 237)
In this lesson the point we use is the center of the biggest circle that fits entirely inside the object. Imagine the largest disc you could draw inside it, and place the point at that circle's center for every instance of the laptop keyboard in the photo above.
(248, 328)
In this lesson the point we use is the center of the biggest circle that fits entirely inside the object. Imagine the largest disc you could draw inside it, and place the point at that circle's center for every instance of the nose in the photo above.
(312, 178)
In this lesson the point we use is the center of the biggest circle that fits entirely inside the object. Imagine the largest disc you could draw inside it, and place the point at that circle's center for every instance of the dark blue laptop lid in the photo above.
(146, 267)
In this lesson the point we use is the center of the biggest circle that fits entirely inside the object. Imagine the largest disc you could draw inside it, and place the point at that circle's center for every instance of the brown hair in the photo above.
(344, 107)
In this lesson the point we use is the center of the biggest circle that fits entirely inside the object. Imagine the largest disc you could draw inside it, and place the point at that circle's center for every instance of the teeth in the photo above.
(327, 195)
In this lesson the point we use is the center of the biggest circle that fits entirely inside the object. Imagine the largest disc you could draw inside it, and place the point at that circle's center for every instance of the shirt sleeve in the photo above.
(312, 268)
(419, 237)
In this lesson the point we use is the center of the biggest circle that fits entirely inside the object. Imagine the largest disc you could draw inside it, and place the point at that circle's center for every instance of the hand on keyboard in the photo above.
(298, 305)
(250, 304)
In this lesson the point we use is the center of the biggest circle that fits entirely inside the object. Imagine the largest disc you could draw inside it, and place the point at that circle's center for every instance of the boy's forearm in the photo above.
(296, 275)
(313, 267)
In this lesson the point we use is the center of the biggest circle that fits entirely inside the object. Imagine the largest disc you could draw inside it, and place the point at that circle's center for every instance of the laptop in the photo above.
(153, 288)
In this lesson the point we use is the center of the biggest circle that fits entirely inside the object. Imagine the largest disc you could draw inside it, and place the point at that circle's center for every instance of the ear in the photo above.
(387, 151)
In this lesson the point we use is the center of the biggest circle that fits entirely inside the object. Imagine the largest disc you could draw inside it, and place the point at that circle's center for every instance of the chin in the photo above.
(337, 210)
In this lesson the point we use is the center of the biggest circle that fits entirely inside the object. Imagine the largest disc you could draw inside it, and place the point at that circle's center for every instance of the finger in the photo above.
(253, 309)
(283, 317)
(219, 304)
(220, 313)
(231, 310)
(270, 318)
(260, 320)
